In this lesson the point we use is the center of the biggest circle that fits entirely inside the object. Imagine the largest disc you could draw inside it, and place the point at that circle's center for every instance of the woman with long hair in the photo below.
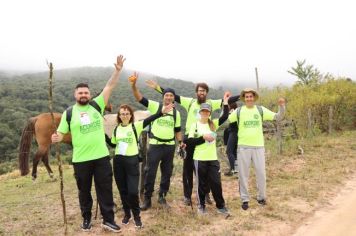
(202, 135)
(126, 160)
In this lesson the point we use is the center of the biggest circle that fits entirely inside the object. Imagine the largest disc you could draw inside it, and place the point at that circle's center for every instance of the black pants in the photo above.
(188, 168)
(208, 176)
(231, 149)
(127, 173)
(161, 155)
(102, 172)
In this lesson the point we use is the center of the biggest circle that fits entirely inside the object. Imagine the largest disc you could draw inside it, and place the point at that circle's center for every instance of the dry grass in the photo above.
(296, 187)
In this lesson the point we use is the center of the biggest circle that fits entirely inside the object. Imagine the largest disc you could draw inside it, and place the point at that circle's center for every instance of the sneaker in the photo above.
(162, 201)
(244, 206)
(229, 173)
(138, 222)
(223, 211)
(201, 210)
(126, 220)
(113, 227)
(208, 199)
(86, 226)
(146, 204)
(262, 202)
(187, 201)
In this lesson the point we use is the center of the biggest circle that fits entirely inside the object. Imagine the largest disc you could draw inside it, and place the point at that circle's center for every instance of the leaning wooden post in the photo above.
(143, 153)
(330, 119)
(50, 106)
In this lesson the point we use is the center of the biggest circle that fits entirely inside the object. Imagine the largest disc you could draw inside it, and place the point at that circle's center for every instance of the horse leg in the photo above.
(45, 162)
(36, 160)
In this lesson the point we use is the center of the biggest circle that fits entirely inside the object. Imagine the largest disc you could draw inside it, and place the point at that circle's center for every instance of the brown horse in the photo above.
(41, 127)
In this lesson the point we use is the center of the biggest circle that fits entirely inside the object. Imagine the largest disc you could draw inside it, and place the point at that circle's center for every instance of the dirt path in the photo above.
(337, 219)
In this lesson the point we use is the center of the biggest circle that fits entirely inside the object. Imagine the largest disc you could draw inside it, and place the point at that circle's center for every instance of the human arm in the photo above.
(281, 109)
(225, 113)
(154, 85)
(112, 82)
(137, 94)
(159, 113)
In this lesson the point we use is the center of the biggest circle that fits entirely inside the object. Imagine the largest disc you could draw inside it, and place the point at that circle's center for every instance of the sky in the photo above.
(212, 41)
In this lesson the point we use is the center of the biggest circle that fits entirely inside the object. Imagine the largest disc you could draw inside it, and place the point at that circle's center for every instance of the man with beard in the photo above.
(90, 154)
(192, 106)
(163, 133)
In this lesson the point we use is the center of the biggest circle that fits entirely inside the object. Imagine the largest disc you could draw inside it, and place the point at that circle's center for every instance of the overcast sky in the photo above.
(186, 39)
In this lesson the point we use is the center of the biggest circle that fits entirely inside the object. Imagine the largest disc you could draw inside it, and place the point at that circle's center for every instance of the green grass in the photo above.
(296, 184)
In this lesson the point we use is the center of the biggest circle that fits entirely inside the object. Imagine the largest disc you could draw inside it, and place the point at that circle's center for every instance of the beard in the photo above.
(83, 101)
(201, 99)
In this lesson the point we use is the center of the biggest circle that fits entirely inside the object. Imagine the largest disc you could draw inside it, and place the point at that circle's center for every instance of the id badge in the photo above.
(84, 118)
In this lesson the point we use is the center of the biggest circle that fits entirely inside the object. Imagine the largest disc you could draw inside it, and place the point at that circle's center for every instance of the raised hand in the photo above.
(133, 78)
(227, 95)
(168, 108)
(281, 101)
(119, 63)
(152, 84)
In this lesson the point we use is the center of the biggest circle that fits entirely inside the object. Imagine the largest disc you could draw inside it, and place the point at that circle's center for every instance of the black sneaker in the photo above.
(86, 226)
(146, 204)
(244, 206)
(113, 227)
(126, 220)
(187, 201)
(138, 222)
(208, 199)
(162, 201)
(262, 202)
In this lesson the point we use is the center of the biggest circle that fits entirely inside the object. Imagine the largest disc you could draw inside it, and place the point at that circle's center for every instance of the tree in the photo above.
(306, 74)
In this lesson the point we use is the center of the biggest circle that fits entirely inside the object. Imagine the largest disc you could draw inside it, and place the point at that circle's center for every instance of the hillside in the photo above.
(25, 96)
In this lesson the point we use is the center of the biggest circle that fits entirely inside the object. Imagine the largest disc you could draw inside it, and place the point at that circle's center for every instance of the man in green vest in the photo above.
(250, 147)
(163, 133)
(90, 154)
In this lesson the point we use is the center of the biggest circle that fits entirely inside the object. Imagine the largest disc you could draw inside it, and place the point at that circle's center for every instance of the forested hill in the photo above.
(22, 97)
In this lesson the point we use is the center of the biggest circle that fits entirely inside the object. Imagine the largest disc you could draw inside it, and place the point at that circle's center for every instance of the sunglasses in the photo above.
(125, 114)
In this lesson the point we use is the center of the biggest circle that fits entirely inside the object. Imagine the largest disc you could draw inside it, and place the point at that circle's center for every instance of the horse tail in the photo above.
(25, 145)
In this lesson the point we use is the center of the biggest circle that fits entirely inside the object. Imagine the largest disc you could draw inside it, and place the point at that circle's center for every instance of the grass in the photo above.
(296, 186)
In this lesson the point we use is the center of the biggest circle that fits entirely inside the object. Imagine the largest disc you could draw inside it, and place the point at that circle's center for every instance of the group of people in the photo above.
(91, 156)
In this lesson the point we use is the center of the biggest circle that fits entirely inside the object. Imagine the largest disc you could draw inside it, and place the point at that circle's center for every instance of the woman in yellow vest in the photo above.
(126, 162)
(202, 135)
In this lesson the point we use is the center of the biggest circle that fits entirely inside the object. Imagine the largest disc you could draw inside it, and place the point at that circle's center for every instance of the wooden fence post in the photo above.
(279, 137)
(310, 128)
(330, 119)
(257, 82)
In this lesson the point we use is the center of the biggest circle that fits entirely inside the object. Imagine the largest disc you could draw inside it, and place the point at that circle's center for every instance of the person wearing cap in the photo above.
(250, 147)
(192, 105)
(202, 135)
(163, 133)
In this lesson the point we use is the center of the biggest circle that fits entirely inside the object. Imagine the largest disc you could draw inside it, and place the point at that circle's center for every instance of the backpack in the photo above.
(69, 111)
(151, 135)
(259, 108)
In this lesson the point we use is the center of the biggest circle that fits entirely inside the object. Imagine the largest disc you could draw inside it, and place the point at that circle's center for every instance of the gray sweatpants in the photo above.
(257, 156)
